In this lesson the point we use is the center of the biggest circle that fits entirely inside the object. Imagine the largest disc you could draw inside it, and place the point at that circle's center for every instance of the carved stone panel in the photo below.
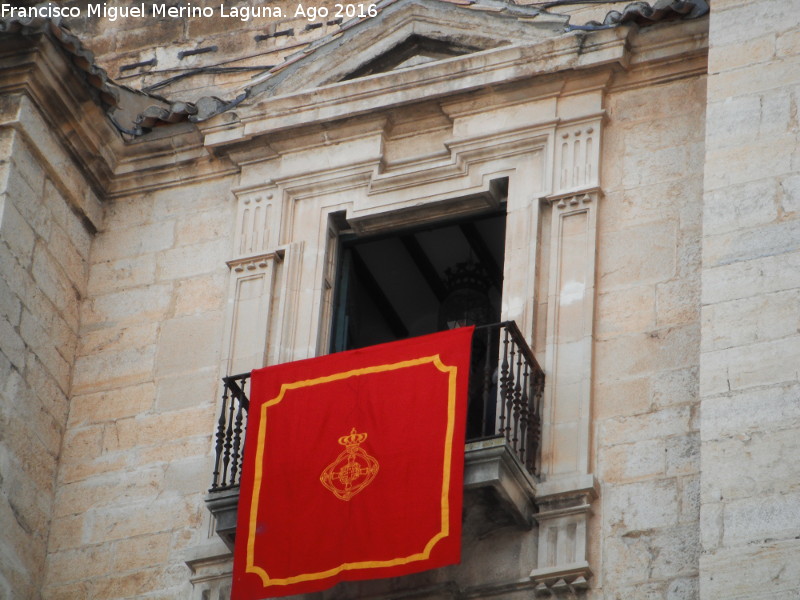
(577, 157)
(257, 223)
(250, 299)
(569, 333)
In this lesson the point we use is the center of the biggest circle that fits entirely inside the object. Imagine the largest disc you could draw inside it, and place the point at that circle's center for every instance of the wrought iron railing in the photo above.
(505, 391)
(231, 426)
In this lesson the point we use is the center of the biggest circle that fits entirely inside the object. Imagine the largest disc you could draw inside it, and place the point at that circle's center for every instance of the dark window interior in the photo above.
(419, 281)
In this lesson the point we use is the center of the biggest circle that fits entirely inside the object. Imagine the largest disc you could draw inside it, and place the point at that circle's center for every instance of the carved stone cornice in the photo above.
(393, 89)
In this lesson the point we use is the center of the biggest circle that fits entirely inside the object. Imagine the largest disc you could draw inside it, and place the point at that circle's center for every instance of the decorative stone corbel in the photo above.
(562, 589)
(211, 567)
(564, 509)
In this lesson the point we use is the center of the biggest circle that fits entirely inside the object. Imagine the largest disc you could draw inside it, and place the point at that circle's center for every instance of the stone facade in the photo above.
(749, 521)
(648, 175)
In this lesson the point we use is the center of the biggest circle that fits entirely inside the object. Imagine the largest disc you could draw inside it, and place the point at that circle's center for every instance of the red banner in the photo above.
(353, 467)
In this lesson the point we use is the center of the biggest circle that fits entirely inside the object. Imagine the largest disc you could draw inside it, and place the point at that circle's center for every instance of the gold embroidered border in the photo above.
(259, 461)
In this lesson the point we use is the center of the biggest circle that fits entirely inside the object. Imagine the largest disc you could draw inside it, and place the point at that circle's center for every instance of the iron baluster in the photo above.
(486, 427)
(245, 404)
(226, 455)
(513, 410)
(504, 391)
(517, 402)
(220, 440)
(524, 416)
(237, 437)
(536, 423)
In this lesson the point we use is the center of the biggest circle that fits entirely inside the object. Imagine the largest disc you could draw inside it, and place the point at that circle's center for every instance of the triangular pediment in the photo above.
(406, 34)
(411, 52)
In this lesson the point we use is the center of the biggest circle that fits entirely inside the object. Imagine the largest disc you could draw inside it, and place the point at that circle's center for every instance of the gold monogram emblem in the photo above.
(353, 469)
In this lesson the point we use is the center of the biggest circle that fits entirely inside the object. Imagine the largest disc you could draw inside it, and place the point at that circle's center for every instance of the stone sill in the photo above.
(492, 464)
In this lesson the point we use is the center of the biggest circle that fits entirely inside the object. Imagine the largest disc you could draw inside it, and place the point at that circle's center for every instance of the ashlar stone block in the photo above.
(741, 367)
(634, 461)
(752, 464)
(619, 267)
(16, 234)
(642, 506)
(750, 278)
(188, 344)
(767, 409)
(117, 275)
(769, 240)
(675, 420)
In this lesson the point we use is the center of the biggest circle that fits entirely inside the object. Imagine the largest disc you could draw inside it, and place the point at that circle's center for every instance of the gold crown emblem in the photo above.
(353, 469)
(354, 439)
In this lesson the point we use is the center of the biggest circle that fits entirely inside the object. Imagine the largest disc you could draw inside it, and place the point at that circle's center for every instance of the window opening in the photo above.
(418, 281)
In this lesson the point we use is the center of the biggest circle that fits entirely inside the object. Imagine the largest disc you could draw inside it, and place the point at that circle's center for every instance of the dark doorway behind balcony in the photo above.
(398, 285)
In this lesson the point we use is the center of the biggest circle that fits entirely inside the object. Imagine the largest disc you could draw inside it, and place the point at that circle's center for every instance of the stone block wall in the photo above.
(239, 44)
(647, 343)
(749, 383)
(136, 460)
(44, 257)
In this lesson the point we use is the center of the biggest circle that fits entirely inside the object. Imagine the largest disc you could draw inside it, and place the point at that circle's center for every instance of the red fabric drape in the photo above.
(353, 467)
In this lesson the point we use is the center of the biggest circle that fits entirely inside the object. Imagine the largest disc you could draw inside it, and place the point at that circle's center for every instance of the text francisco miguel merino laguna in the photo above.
(243, 13)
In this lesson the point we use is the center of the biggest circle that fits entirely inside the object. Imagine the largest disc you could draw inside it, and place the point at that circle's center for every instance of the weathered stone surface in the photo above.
(675, 387)
(751, 366)
(647, 352)
(619, 267)
(763, 275)
(134, 241)
(755, 465)
(177, 392)
(635, 461)
(186, 344)
(116, 275)
(762, 570)
(621, 398)
(204, 294)
(625, 311)
(135, 305)
(193, 260)
(751, 320)
(750, 343)
(42, 273)
(644, 506)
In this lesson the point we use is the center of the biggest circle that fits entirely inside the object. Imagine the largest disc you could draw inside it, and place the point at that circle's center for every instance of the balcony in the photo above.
(502, 437)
